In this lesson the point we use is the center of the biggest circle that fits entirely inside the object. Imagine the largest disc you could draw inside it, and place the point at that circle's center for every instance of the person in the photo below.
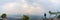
(45, 16)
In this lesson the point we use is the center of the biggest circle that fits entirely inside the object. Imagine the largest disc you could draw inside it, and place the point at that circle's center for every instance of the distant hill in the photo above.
(16, 17)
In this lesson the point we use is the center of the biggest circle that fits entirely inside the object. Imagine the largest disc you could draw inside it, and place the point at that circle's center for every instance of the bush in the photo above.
(3, 15)
(25, 17)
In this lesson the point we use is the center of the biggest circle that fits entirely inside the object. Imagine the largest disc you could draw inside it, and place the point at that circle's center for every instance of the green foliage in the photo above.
(58, 16)
(25, 17)
(3, 15)
(49, 11)
(52, 12)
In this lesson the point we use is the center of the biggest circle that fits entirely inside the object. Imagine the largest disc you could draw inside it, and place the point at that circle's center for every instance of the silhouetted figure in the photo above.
(45, 16)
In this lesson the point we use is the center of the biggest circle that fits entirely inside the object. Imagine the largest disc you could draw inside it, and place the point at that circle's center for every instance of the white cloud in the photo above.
(54, 1)
(26, 7)
(23, 7)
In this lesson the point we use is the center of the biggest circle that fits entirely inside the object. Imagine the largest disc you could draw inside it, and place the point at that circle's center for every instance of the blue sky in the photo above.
(30, 7)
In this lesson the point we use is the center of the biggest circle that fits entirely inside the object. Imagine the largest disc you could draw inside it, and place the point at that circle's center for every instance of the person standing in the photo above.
(45, 16)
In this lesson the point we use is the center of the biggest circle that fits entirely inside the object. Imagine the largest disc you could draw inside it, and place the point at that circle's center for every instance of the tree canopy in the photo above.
(52, 12)
(25, 17)
(3, 15)
(58, 16)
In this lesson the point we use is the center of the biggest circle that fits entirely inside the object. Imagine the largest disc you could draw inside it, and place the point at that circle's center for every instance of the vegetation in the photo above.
(3, 15)
(58, 16)
(52, 12)
(25, 17)
(49, 12)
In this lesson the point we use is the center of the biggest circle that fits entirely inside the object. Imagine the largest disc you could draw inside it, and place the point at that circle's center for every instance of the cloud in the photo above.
(22, 7)
(31, 7)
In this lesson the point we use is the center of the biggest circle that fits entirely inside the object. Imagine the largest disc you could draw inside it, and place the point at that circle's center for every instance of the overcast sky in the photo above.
(30, 7)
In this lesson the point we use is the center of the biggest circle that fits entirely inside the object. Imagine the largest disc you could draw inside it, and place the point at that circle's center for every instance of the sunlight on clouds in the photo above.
(54, 1)
(23, 0)
(24, 8)
(8, 7)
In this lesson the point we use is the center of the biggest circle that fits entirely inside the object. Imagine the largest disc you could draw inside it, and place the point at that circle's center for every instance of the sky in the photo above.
(30, 7)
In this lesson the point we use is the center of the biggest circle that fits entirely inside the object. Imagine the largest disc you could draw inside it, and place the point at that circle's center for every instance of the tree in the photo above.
(3, 16)
(50, 13)
(25, 17)
(54, 13)
(58, 16)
